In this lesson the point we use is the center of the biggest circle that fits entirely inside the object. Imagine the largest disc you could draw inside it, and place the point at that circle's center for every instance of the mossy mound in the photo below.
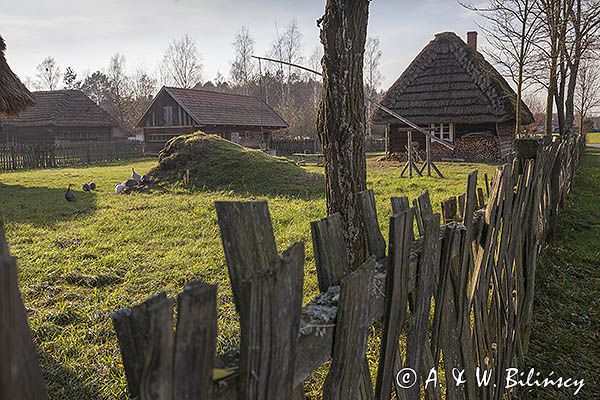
(218, 164)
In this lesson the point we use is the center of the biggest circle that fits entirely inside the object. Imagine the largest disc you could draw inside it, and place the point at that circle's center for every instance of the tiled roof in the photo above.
(215, 108)
(450, 82)
(61, 108)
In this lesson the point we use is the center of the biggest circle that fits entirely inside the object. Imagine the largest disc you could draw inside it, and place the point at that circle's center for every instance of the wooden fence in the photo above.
(287, 147)
(48, 155)
(457, 288)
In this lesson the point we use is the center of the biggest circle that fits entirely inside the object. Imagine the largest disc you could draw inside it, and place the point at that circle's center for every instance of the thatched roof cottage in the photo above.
(246, 120)
(14, 96)
(60, 116)
(451, 90)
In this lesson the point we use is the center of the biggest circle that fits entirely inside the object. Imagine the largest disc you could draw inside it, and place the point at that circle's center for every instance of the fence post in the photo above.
(20, 375)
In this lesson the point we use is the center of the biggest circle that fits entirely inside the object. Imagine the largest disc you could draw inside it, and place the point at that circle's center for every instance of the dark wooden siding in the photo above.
(399, 139)
(156, 137)
(62, 134)
(156, 114)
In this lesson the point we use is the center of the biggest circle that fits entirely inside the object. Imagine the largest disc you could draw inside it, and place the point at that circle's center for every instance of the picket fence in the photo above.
(455, 289)
(48, 155)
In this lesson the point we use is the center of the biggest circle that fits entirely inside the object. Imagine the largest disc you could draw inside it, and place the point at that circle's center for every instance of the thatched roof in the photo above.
(448, 82)
(14, 96)
(61, 108)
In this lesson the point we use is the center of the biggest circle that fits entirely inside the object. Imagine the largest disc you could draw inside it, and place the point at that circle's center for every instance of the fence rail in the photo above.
(476, 270)
(286, 147)
(48, 155)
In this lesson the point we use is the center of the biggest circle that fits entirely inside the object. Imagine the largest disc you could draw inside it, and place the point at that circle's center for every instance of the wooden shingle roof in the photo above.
(225, 109)
(61, 108)
(14, 96)
(448, 82)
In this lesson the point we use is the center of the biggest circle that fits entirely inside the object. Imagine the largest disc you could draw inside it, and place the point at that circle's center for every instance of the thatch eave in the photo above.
(14, 96)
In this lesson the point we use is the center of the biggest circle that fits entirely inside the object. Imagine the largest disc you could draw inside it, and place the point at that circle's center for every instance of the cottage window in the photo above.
(443, 131)
(168, 115)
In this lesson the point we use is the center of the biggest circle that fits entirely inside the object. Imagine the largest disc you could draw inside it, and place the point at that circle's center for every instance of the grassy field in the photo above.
(79, 261)
(593, 137)
(566, 324)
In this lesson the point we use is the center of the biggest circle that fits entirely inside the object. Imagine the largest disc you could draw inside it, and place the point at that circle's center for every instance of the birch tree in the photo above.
(372, 75)
(182, 63)
(243, 66)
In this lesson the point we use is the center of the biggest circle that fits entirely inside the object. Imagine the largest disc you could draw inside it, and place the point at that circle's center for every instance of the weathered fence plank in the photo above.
(368, 210)
(396, 299)
(330, 251)
(20, 375)
(248, 240)
(195, 341)
(350, 343)
(271, 303)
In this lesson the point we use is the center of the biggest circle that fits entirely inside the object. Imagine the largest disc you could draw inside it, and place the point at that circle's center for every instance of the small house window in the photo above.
(443, 131)
(168, 114)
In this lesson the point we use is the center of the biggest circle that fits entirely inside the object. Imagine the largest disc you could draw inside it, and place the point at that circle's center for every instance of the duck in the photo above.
(69, 195)
(92, 186)
(135, 175)
(86, 187)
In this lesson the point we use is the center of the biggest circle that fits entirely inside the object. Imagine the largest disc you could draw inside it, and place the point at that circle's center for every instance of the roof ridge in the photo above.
(214, 91)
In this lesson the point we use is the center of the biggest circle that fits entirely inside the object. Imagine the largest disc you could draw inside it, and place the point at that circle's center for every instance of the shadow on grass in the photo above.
(42, 206)
(62, 383)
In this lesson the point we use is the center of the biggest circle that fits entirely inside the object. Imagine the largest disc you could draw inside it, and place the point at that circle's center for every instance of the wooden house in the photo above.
(14, 96)
(246, 120)
(452, 91)
(59, 116)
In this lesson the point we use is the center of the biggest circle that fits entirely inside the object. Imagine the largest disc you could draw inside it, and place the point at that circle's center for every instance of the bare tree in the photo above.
(341, 123)
(587, 94)
(243, 66)
(70, 79)
(511, 29)
(182, 65)
(571, 29)
(48, 74)
(372, 75)
(288, 48)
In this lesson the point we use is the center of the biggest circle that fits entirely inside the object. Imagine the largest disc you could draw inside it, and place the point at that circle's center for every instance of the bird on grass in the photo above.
(92, 186)
(86, 187)
(131, 182)
(135, 176)
(69, 195)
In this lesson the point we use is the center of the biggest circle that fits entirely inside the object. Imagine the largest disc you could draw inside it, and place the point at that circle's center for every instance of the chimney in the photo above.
(472, 40)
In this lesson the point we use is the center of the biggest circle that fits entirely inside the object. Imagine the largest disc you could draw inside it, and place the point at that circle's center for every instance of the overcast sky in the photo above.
(84, 34)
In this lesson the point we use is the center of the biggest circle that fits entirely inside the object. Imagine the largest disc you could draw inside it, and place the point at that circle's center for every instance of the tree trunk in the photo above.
(341, 122)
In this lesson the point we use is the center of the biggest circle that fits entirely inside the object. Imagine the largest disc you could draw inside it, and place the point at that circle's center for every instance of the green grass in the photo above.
(79, 261)
(593, 137)
(566, 324)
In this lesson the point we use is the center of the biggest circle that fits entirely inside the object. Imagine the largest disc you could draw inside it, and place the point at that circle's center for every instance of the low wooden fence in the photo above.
(48, 155)
(456, 287)
(287, 147)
